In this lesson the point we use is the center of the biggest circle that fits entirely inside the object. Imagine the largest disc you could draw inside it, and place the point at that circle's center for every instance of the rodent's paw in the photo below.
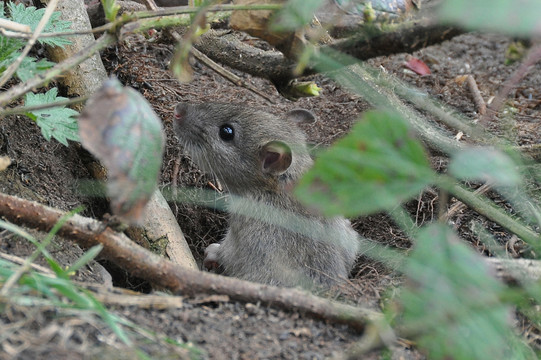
(211, 257)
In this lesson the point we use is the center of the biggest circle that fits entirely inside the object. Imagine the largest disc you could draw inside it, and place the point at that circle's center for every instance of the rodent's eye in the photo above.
(227, 133)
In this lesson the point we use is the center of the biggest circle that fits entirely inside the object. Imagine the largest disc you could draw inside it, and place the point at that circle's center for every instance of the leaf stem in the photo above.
(490, 211)
(57, 70)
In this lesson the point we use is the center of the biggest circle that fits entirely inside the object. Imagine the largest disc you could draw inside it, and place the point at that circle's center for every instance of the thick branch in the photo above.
(146, 265)
(273, 65)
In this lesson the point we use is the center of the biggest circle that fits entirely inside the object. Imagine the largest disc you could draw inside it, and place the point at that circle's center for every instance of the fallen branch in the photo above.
(157, 270)
(273, 65)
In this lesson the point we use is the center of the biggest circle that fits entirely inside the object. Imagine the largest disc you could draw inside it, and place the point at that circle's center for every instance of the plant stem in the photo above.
(27, 109)
(490, 211)
(57, 70)
(189, 10)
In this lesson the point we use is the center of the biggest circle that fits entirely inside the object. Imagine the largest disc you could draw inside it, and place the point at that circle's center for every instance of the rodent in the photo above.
(259, 158)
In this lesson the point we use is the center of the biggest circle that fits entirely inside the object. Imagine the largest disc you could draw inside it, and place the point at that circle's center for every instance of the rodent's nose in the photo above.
(180, 113)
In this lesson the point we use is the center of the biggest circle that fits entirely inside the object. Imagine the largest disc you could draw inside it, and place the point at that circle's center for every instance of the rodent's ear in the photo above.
(301, 116)
(275, 157)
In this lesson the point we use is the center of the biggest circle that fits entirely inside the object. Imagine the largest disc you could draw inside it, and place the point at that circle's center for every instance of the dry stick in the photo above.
(8, 27)
(534, 55)
(21, 261)
(146, 265)
(41, 25)
(476, 94)
(151, 5)
(27, 109)
(227, 74)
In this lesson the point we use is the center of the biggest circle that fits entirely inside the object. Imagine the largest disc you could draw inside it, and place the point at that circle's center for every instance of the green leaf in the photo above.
(110, 7)
(88, 256)
(30, 68)
(31, 16)
(58, 122)
(119, 127)
(504, 16)
(453, 302)
(376, 167)
(485, 164)
(295, 14)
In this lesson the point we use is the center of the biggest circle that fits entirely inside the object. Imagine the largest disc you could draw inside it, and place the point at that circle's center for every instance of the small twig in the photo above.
(534, 55)
(9, 27)
(476, 94)
(25, 35)
(228, 75)
(151, 5)
(459, 206)
(21, 261)
(8, 73)
(146, 265)
(57, 70)
(26, 109)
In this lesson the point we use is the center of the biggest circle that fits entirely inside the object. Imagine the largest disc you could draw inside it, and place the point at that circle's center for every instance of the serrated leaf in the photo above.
(376, 167)
(9, 50)
(295, 14)
(119, 127)
(454, 302)
(31, 16)
(30, 68)
(485, 164)
(504, 16)
(58, 122)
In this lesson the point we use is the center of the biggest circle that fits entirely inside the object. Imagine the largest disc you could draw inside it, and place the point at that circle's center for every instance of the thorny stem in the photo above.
(57, 70)
(490, 211)
(27, 109)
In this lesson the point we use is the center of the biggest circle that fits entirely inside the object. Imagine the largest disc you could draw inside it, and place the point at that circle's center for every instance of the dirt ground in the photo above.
(213, 327)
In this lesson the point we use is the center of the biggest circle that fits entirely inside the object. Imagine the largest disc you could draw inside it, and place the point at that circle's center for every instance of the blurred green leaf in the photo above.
(119, 127)
(110, 7)
(294, 15)
(481, 163)
(453, 302)
(504, 16)
(30, 67)
(376, 167)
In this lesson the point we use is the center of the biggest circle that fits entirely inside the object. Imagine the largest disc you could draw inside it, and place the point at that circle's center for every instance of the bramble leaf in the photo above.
(452, 301)
(485, 164)
(504, 16)
(376, 167)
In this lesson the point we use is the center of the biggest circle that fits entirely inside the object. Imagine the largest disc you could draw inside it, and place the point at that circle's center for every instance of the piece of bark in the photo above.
(87, 77)
(160, 223)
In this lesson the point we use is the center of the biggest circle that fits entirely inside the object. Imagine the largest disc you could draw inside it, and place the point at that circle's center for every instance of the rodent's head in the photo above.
(247, 149)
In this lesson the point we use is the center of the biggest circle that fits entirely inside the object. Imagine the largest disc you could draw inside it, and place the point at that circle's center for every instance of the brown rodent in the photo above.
(272, 238)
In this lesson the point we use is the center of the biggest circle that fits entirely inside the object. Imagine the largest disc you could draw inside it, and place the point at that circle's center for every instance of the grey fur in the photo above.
(272, 238)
